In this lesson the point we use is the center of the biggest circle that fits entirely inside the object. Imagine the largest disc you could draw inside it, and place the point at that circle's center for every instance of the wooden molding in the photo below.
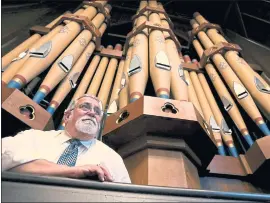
(147, 116)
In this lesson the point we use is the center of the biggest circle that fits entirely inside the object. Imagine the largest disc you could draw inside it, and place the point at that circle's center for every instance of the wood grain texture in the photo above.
(162, 168)
(259, 153)
(158, 142)
(137, 166)
(226, 165)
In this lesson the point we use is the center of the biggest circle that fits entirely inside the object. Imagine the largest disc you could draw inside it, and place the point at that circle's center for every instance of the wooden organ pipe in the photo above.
(234, 83)
(228, 102)
(48, 52)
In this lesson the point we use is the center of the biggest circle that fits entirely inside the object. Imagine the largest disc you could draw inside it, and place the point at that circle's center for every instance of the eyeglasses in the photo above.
(88, 107)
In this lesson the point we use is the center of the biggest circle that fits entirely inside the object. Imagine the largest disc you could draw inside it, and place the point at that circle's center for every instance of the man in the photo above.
(73, 152)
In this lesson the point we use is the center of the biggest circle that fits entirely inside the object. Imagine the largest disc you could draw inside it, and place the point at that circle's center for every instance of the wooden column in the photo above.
(161, 161)
(163, 142)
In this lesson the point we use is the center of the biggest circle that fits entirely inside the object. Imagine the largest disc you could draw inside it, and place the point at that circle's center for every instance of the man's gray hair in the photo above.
(73, 103)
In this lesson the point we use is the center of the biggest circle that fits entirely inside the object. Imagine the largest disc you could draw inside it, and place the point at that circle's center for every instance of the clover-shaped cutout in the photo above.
(28, 111)
(169, 108)
(124, 115)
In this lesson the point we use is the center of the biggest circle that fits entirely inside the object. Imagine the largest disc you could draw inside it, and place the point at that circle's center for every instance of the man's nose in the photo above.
(91, 112)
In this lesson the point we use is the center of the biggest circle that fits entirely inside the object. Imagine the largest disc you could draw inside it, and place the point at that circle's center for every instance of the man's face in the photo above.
(86, 116)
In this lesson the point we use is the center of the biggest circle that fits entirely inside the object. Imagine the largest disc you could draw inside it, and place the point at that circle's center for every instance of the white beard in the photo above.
(87, 126)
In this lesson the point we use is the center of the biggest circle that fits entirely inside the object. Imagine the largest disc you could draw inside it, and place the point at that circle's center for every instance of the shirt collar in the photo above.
(88, 143)
(63, 137)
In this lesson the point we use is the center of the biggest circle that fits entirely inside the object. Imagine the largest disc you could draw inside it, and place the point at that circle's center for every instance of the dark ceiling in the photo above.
(250, 19)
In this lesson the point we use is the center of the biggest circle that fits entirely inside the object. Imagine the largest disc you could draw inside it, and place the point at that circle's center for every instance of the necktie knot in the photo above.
(75, 142)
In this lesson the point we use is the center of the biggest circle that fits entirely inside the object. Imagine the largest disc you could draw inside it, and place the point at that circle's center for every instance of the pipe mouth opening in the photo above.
(206, 127)
(228, 107)
(242, 95)
(28, 111)
(123, 116)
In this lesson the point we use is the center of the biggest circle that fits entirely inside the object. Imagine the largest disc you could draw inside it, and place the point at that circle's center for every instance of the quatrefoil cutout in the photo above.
(28, 111)
(169, 108)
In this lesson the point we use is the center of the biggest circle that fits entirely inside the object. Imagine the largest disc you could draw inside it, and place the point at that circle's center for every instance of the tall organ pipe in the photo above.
(160, 68)
(207, 112)
(178, 83)
(138, 67)
(234, 83)
(228, 102)
(108, 79)
(71, 79)
(66, 61)
(225, 131)
(48, 52)
(98, 77)
(255, 84)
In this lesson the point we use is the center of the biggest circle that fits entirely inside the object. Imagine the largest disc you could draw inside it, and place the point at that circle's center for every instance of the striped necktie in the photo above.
(69, 156)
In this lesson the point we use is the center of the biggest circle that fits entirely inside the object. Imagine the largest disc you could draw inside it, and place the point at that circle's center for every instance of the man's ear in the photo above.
(67, 116)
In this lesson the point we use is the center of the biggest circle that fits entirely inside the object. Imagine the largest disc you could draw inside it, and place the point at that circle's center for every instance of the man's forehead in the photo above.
(88, 100)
